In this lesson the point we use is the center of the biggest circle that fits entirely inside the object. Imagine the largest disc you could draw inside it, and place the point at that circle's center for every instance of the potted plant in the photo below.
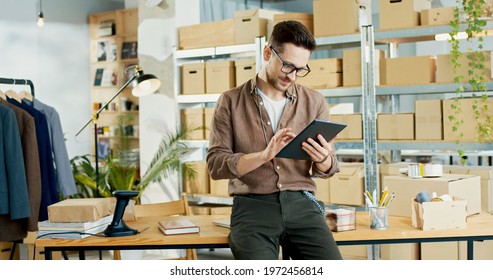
(471, 14)
(120, 175)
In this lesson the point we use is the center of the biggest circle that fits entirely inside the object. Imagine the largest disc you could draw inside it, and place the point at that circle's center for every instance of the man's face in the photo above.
(279, 63)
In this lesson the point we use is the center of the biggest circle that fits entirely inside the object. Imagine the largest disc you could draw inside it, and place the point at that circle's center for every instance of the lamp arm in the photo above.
(95, 115)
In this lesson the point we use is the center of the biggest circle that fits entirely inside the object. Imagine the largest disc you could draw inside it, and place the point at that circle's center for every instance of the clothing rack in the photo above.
(11, 81)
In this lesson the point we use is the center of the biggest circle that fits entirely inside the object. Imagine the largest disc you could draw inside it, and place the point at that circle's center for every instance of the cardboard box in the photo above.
(80, 210)
(439, 215)
(219, 187)
(407, 70)
(399, 251)
(446, 72)
(469, 126)
(428, 119)
(395, 126)
(335, 17)
(347, 186)
(193, 78)
(341, 108)
(342, 218)
(208, 117)
(351, 66)
(402, 13)
(486, 175)
(326, 73)
(437, 16)
(204, 35)
(245, 70)
(200, 183)
(440, 251)
(193, 120)
(219, 76)
(322, 192)
(304, 18)
(466, 187)
(249, 24)
(354, 129)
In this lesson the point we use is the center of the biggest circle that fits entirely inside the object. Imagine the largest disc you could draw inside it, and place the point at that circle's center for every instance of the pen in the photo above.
(391, 198)
(383, 199)
(367, 193)
(368, 200)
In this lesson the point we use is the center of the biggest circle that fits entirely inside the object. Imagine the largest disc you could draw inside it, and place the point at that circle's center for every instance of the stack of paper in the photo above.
(77, 230)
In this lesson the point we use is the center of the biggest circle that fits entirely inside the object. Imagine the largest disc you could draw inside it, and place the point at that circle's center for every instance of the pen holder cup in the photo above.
(379, 217)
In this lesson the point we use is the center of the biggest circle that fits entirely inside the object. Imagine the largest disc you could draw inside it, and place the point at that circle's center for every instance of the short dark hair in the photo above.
(293, 32)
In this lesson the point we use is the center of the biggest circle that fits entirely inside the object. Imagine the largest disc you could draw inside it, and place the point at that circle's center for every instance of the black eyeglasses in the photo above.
(288, 68)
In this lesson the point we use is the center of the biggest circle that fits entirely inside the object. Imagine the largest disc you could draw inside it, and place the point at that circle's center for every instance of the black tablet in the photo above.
(327, 129)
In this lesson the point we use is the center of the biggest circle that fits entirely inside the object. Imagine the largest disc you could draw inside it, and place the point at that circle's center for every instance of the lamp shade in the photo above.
(145, 84)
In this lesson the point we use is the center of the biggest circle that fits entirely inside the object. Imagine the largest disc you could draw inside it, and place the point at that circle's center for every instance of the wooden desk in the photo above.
(479, 227)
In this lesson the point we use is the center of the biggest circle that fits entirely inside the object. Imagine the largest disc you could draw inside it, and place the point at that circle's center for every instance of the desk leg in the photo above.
(48, 254)
(82, 255)
(470, 249)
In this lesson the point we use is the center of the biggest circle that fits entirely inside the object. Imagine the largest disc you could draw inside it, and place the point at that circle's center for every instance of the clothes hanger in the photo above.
(12, 94)
(2, 95)
(24, 94)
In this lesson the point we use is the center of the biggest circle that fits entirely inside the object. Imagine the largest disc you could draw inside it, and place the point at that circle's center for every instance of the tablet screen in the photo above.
(327, 129)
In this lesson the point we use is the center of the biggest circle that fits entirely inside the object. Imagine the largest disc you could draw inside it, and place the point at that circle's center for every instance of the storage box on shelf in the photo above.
(304, 18)
(333, 17)
(113, 41)
(209, 34)
(401, 14)
(437, 16)
(326, 73)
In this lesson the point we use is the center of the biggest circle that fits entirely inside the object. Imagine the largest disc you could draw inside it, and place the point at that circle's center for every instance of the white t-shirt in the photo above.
(274, 109)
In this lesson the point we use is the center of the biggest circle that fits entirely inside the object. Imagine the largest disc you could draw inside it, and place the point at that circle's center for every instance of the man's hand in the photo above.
(278, 141)
(319, 153)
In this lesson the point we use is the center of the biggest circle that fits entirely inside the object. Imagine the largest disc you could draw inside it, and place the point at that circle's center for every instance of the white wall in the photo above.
(55, 57)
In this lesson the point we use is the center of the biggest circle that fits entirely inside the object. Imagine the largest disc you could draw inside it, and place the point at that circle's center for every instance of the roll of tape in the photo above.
(433, 170)
(415, 170)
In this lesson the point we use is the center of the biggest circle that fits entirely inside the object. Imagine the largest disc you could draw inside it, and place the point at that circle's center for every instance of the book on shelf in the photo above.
(178, 227)
(112, 52)
(75, 226)
(102, 51)
(71, 234)
(106, 28)
(109, 78)
(98, 77)
(129, 50)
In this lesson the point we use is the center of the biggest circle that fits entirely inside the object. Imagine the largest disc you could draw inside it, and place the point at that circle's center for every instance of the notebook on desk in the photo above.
(222, 223)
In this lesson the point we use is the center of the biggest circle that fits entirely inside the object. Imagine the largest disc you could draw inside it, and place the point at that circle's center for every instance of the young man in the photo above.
(273, 197)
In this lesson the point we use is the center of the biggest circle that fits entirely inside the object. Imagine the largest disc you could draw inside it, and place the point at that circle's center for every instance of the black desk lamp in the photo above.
(142, 84)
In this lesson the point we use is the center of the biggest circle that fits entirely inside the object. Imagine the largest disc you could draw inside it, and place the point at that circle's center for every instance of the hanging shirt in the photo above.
(49, 194)
(27, 131)
(63, 170)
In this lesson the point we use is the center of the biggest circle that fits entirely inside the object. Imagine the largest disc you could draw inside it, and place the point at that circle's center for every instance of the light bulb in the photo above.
(41, 19)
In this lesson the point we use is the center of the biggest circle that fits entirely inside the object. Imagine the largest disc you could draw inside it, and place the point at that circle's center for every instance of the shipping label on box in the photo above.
(347, 186)
(395, 126)
(466, 187)
(439, 215)
(437, 16)
(428, 119)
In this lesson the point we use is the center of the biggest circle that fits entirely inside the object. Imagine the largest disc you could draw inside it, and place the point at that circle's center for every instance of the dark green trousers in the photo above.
(260, 224)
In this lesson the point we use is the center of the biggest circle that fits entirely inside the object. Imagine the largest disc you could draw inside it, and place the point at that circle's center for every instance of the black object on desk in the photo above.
(118, 226)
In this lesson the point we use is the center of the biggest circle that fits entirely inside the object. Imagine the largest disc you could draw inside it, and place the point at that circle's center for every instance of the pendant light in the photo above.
(41, 19)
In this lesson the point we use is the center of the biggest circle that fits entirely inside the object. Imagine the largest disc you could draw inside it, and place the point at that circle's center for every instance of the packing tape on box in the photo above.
(433, 170)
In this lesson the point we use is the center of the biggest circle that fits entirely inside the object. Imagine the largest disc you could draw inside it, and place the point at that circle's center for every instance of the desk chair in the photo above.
(177, 207)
